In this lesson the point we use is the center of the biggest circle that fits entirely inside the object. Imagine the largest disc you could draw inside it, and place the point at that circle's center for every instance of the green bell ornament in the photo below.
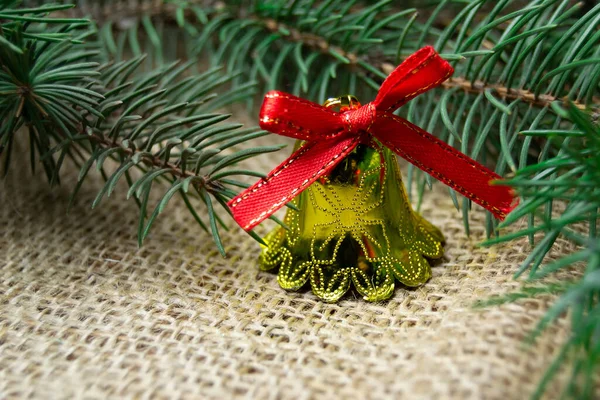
(354, 225)
(352, 222)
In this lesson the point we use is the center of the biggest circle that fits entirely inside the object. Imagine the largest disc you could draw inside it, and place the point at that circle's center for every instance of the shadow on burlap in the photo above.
(85, 313)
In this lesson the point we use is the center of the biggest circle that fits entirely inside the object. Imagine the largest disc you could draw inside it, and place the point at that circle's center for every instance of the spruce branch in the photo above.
(572, 176)
(372, 63)
(76, 100)
(31, 74)
(525, 96)
(161, 124)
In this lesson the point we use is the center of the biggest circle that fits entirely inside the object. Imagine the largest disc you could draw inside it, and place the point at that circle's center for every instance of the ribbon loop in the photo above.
(291, 116)
(331, 136)
(420, 72)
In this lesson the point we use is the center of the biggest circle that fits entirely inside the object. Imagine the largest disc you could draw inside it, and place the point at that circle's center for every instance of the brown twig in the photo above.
(543, 100)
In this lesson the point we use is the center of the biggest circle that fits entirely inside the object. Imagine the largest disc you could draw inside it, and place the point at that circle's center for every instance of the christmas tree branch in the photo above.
(573, 175)
(320, 43)
(481, 110)
(368, 63)
(66, 91)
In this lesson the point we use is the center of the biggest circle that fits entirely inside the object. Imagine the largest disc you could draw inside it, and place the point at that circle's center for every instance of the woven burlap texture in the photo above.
(86, 314)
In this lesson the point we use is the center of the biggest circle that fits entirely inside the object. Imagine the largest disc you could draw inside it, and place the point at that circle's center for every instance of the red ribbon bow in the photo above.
(330, 136)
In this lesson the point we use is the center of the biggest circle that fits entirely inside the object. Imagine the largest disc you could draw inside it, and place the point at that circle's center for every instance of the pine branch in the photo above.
(21, 107)
(572, 176)
(179, 142)
(366, 62)
(76, 101)
(370, 61)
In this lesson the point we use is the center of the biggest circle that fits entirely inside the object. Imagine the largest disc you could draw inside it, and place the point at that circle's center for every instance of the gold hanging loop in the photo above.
(345, 103)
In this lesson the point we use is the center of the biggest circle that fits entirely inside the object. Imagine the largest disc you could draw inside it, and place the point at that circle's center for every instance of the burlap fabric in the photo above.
(86, 314)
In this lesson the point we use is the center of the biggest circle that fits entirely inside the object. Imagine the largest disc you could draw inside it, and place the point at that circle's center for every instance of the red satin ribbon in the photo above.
(330, 136)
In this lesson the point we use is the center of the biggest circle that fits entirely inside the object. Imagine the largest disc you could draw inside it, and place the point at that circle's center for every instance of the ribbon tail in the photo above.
(288, 180)
(445, 163)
